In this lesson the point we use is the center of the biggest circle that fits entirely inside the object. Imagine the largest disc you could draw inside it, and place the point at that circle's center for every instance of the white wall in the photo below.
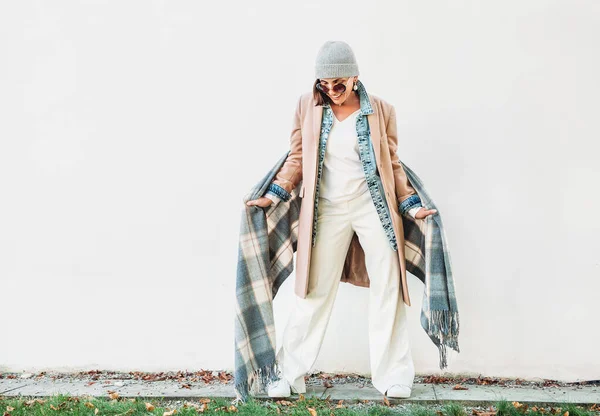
(130, 131)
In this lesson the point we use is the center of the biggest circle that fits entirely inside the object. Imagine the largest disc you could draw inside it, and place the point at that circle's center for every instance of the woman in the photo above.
(343, 150)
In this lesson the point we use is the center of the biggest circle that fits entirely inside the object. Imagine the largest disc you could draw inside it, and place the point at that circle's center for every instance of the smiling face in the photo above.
(332, 86)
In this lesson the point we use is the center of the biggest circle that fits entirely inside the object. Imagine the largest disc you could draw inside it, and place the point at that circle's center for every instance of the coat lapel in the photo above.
(316, 127)
(373, 119)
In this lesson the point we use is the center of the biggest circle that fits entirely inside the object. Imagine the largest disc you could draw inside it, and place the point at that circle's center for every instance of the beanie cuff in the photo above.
(336, 70)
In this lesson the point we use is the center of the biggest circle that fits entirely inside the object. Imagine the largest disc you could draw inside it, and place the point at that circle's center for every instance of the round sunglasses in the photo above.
(338, 88)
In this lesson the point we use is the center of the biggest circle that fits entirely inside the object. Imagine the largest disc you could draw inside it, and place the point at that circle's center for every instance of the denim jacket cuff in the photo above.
(410, 202)
(279, 191)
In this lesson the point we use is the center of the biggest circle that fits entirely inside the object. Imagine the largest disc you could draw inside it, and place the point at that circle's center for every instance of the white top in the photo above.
(343, 177)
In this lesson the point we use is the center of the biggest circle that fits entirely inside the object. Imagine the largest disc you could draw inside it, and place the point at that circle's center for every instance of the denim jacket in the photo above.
(367, 157)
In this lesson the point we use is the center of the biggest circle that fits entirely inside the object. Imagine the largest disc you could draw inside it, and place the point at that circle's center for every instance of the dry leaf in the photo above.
(204, 400)
(90, 405)
(34, 401)
(327, 384)
(149, 407)
(459, 387)
(9, 408)
(386, 401)
(96, 410)
(113, 394)
(312, 411)
(232, 408)
(171, 413)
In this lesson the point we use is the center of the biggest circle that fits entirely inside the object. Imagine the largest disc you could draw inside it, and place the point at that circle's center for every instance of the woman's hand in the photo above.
(263, 201)
(422, 213)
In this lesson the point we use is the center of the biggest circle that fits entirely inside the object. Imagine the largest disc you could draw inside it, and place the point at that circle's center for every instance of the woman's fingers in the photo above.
(422, 213)
(261, 202)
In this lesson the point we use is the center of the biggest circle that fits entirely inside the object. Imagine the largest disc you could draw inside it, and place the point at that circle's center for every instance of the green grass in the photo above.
(71, 405)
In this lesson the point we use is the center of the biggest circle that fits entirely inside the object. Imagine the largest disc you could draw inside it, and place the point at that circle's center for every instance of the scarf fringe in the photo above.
(443, 329)
(256, 381)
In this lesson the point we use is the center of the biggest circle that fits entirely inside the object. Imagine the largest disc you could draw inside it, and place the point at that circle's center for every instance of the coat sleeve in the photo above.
(406, 194)
(290, 173)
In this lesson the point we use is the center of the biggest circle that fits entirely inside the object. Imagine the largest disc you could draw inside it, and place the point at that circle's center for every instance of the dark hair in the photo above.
(320, 97)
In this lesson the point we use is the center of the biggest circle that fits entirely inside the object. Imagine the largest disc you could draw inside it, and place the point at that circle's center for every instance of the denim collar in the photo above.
(365, 103)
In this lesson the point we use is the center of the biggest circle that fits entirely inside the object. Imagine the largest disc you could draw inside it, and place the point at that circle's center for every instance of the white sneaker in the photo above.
(398, 391)
(279, 388)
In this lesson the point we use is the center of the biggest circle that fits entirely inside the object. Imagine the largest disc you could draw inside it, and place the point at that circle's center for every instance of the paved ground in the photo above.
(335, 389)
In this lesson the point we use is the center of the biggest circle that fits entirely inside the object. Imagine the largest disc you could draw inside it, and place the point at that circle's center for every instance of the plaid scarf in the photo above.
(267, 240)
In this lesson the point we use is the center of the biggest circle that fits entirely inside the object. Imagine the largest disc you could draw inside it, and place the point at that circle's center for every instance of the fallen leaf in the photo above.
(386, 401)
(312, 411)
(171, 413)
(475, 412)
(459, 387)
(34, 401)
(149, 407)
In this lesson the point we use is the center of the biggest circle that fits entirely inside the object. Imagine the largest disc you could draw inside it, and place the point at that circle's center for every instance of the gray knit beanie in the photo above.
(335, 59)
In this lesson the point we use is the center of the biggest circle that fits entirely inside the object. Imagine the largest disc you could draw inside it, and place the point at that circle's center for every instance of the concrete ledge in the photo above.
(422, 393)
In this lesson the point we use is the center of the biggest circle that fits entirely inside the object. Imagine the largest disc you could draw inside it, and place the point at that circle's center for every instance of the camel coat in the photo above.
(300, 168)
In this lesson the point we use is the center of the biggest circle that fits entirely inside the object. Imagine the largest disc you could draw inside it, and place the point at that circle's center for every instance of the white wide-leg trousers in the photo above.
(389, 347)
